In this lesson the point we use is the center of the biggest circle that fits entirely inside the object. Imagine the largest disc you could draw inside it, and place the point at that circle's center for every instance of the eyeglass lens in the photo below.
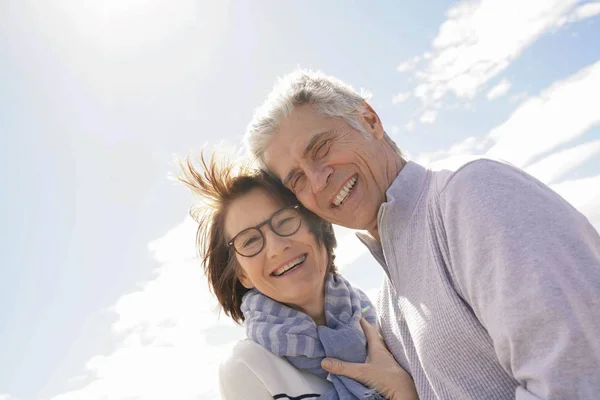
(284, 223)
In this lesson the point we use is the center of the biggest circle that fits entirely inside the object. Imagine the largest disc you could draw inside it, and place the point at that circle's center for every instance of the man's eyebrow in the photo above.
(309, 147)
(288, 177)
(315, 139)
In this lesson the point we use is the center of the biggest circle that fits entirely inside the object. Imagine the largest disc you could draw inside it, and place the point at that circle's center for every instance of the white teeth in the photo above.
(289, 265)
(341, 196)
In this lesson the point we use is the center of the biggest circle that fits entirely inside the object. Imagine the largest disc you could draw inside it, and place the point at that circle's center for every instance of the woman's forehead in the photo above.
(250, 210)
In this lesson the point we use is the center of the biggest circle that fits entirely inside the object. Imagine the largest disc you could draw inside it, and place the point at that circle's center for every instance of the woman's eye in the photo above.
(251, 240)
(284, 221)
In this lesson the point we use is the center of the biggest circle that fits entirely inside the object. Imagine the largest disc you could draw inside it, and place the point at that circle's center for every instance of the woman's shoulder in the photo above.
(238, 376)
(248, 349)
(248, 360)
(247, 355)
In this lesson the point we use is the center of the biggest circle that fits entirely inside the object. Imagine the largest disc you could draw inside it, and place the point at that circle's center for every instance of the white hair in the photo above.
(330, 96)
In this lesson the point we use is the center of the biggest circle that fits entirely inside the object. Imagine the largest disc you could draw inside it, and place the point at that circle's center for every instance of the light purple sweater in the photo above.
(493, 285)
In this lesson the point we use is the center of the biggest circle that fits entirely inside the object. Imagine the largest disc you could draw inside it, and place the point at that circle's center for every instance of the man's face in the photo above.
(336, 171)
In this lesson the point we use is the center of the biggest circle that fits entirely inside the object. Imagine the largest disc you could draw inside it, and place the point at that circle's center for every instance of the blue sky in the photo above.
(101, 296)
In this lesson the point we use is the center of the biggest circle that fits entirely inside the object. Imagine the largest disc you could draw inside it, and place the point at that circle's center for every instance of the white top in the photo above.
(251, 372)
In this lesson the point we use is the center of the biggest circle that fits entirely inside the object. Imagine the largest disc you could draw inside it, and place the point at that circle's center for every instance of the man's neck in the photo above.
(375, 235)
(394, 166)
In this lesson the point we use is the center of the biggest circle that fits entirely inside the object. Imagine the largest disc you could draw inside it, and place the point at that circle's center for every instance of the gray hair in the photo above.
(330, 96)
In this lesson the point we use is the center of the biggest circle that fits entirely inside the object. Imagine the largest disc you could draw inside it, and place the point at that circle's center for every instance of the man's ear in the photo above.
(244, 280)
(372, 123)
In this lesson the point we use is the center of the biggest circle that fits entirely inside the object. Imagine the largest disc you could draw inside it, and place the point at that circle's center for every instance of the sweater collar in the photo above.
(401, 197)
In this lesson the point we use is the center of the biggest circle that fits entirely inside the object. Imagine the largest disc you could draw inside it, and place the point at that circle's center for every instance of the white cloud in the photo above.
(349, 248)
(455, 155)
(410, 126)
(395, 130)
(175, 245)
(400, 97)
(465, 147)
(583, 194)
(584, 11)
(554, 166)
(428, 117)
(408, 65)
(6, 396)
(171, 336)
(561, 113)
(481, 38)
(499, 90)
(519, 97)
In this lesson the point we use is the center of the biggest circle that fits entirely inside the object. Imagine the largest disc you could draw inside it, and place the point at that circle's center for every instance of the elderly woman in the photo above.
(270, 263)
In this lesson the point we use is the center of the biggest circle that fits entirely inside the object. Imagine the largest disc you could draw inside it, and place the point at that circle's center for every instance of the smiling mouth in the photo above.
(290, 266)
(345, 192)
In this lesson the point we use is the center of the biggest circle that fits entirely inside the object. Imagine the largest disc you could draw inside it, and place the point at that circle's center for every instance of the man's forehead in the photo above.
(294, 134)
(282, 153)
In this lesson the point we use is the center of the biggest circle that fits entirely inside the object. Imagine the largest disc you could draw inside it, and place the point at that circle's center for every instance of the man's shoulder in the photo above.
(470, 175)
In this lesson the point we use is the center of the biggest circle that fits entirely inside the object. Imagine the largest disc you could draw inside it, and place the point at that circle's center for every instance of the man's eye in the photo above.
(322, 150)
(297, 182)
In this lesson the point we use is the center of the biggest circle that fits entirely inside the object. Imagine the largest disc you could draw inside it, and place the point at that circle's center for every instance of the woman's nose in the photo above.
(275, 244)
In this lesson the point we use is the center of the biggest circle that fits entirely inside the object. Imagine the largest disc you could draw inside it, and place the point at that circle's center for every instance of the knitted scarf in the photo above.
(294, 335)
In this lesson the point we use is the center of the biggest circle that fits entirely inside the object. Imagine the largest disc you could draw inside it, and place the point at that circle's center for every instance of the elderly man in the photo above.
(492, 286)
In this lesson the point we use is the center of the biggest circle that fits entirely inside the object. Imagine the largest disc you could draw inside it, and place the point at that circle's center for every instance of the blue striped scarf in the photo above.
(294, 335)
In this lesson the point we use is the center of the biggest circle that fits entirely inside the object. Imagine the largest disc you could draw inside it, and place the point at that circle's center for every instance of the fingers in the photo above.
(370, 332)
(338, 367)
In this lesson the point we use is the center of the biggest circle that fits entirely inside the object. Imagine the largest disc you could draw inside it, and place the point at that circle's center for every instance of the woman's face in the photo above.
(299, 255)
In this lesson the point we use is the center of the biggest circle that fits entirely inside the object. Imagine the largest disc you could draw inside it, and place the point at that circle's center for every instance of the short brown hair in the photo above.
(218, 182)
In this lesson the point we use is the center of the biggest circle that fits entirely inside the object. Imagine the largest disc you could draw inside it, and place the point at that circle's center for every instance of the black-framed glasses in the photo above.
(284, 222)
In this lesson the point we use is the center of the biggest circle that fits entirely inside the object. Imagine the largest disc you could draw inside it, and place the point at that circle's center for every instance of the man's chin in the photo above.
(346, 218)
(357, 222)
(350, 223)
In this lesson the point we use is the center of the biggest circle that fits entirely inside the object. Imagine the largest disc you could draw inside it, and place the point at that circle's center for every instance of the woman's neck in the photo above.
(316, 312)
(315, 308)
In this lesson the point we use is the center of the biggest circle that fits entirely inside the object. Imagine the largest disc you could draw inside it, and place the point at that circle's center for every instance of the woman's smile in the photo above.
(289, 266)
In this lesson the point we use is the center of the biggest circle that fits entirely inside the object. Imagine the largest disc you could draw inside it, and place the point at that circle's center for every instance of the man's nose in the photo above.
(319, 177)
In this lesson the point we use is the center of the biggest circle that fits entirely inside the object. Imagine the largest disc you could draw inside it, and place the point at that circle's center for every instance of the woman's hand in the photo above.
(380, 371)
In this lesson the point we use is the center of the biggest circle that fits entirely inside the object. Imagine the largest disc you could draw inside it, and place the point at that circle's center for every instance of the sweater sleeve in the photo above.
(238, 382)
(528, 264)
